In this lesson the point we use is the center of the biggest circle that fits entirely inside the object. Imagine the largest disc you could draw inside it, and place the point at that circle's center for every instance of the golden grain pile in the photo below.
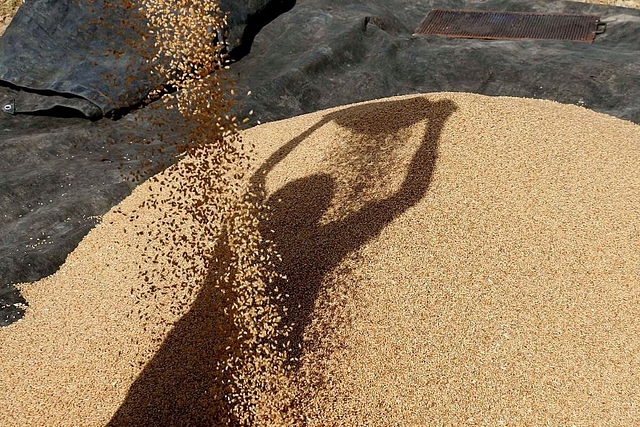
(8, 8)
(622, 3)
(490, 278)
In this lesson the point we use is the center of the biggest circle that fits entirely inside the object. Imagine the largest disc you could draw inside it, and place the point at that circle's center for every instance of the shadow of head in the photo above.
(300, 204)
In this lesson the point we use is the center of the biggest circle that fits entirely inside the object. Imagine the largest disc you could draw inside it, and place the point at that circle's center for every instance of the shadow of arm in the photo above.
(259, 177)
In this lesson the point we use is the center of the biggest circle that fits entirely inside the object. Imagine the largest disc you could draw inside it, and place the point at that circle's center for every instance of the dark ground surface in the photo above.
(58, 175)
(60, 170)
(319, 56)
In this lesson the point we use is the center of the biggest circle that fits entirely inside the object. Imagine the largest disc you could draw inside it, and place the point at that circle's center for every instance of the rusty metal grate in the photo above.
(510, 25)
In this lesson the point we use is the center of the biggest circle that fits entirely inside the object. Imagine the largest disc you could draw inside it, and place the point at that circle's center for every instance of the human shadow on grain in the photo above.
(181, 385)
(311, 249)
(175, 387)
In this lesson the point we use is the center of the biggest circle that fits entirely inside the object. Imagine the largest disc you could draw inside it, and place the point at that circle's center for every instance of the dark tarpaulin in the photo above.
(89, 55)
(326, 53)
(66, 58)
(84, 55)
(58, 176)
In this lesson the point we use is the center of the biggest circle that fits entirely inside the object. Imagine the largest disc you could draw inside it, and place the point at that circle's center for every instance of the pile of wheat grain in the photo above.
(451, 259)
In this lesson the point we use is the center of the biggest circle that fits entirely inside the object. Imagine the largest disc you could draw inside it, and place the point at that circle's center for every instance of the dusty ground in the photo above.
(453, 259)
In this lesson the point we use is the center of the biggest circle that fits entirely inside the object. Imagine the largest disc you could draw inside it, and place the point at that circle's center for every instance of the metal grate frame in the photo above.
(511, 25)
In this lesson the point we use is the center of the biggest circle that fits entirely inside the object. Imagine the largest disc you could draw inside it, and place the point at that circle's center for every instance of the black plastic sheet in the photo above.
(61, 61)
(91, 55)
(326, 53)
(83, 53)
